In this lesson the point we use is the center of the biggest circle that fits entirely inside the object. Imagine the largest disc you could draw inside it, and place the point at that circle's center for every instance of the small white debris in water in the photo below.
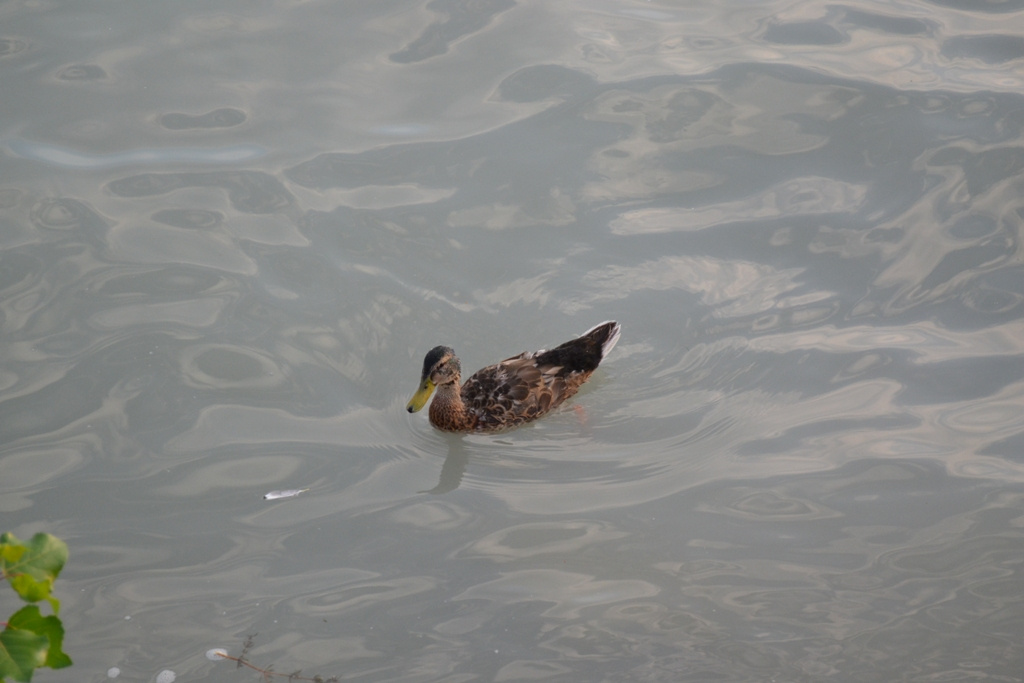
(287, 493)
(166, 676)
(113, 672)
(127, 617)
(216, 654)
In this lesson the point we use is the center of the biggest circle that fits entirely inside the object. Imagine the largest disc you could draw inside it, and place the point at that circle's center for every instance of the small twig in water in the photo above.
(269, 673)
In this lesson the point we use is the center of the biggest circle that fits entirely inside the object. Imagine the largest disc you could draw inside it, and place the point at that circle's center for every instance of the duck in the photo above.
(514, 391)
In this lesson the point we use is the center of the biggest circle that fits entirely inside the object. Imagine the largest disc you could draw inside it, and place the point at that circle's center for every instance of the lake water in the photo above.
(230, 231)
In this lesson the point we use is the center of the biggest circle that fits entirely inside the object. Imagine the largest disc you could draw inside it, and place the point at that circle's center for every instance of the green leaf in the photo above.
(29, 589)
(21, 653)
(32, 567)
(10, 550)
(43, 557)
(29, 619)
(31, 640)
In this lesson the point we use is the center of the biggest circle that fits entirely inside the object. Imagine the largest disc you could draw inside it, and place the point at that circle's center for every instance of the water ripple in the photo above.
(68, 158)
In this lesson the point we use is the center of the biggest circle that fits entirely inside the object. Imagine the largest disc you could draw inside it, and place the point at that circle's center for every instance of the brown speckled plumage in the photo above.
(514, 391)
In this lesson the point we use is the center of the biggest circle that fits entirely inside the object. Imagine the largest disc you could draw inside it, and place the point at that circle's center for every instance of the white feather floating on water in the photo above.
(288, 493)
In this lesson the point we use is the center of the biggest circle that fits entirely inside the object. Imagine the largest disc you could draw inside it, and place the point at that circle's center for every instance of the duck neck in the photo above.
(447, 411)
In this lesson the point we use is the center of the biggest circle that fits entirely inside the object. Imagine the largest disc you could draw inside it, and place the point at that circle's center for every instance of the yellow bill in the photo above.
(419, 399)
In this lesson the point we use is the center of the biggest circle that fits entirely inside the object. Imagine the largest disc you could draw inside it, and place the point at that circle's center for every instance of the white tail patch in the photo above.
(612, 340)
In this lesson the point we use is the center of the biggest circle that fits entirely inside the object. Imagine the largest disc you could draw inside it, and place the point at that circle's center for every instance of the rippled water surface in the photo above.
(229, 232)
